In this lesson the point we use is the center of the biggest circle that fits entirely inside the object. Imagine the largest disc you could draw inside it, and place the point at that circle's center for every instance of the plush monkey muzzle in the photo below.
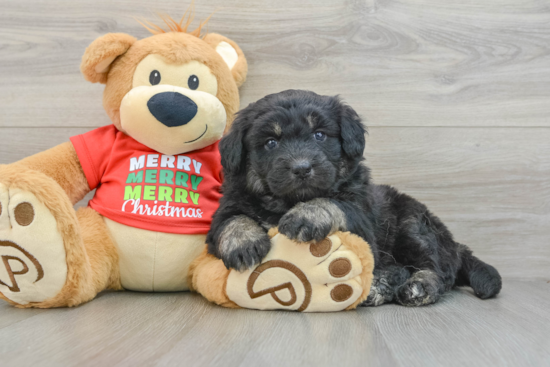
(171, 119)
(172, 109)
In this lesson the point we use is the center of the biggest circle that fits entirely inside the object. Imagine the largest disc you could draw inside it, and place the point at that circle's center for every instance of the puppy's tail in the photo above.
(482, 277)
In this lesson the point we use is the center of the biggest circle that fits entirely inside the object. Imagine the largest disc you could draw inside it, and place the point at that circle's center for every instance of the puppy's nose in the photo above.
(301, 168)
(172, 108)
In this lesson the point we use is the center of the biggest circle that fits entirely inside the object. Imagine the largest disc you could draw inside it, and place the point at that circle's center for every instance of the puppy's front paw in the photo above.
(306, 222)
(244, 255)
(243, 244)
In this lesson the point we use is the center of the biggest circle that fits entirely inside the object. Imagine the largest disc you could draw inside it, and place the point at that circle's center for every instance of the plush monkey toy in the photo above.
(157, 174)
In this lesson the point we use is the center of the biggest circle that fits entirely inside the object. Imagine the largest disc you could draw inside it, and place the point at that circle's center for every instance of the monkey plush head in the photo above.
(173, 92)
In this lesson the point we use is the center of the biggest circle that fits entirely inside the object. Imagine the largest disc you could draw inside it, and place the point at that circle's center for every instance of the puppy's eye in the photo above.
(319, 135)
(193, 82)
(154, 77)
(271, 144)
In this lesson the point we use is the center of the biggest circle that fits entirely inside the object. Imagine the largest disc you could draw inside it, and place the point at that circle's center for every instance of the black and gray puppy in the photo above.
(295, 160)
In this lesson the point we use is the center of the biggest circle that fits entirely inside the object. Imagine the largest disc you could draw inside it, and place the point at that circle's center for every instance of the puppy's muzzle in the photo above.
(172, 109)
(301, 168)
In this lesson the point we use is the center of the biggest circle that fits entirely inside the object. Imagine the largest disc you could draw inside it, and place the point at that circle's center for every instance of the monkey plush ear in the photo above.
(352, 132)
(231, 53)
(101, 53)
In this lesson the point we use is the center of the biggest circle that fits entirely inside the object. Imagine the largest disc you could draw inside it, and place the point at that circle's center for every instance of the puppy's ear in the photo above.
(232, 148)
(352, 132)
(101, 53)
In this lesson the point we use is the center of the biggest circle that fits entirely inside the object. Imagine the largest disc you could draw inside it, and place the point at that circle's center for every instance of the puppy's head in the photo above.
(295, 145)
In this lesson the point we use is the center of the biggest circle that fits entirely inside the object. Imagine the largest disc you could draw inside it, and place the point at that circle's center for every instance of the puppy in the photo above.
(295, 160)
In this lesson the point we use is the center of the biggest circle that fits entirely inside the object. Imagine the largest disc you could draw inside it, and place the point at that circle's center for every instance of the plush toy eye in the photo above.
(321, 136)
(154, 77)
(193, 82)
(271, 144)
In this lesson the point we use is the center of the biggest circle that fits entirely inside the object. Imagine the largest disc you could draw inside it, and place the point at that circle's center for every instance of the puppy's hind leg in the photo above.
(424, 287)
(384, 285)
(426, 246)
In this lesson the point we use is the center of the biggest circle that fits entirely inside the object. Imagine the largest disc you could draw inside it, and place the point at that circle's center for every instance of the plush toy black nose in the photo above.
(301, 168)
(172, 108)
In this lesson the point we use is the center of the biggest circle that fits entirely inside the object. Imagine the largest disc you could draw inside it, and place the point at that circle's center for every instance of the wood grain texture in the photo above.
(128, 329)
(399, 63)
(489, 185)
(436, 83)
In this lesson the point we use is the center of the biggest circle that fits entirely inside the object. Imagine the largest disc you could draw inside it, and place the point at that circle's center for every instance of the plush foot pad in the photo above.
(32, 255)
(317, 277)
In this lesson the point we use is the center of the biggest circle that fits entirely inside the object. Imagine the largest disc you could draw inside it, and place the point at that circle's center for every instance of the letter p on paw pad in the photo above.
(30, 270)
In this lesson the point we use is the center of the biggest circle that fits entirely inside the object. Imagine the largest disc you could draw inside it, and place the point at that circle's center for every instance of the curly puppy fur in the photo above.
(295, 160)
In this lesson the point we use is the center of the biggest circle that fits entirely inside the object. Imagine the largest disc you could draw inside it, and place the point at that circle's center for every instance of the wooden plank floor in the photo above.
(130, 329)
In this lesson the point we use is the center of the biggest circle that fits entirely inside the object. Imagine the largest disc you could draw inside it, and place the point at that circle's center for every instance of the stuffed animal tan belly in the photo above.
(154, 261)
(157, 175)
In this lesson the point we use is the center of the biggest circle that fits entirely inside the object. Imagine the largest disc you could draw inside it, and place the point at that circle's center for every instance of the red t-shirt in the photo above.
(142, 188)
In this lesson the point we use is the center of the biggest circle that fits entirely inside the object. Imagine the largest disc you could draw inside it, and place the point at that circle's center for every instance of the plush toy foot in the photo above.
(33, 265)
(331, 275)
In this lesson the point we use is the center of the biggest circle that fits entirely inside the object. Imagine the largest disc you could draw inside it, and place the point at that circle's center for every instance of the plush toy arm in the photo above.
(62, 165)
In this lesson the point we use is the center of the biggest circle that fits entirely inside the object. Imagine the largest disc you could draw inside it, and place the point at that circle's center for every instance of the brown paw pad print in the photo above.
(24, 214)
(341, 293)
(340, 267)
(320, 249)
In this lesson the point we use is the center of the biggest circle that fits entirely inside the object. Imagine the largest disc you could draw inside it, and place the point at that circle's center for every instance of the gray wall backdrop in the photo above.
(456, 95)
